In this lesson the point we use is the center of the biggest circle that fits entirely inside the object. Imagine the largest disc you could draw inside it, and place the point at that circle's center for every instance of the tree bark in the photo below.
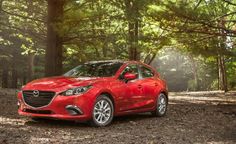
(24, 78)
(53, 58)
(221, 59)
(14, 77)
(15, 62)
(222, 74)
(149, 58)
(218, 68)
(195, 72)
(5, 74)
(31, 66)
(132, 13)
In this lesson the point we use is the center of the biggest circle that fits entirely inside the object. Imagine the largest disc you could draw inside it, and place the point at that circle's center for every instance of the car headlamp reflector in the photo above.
(77, 90)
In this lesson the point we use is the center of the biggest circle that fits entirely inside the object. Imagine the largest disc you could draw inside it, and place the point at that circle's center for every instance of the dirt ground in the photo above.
(200, 117)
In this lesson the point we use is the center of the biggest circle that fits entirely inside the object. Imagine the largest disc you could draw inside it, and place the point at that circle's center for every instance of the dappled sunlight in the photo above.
(66, 138)
(185, 122)
(11, 121)
(122, 53)
(219, 142)
(213, 97)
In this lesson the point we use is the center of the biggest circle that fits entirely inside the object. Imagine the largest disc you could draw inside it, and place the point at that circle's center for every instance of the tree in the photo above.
(40, 38)
(196, 22)
(21, 36)
(54, 51)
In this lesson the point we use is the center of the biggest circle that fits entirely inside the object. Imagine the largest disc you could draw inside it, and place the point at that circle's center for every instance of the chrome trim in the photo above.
(36, 93)
(68, 107)
(41, 106)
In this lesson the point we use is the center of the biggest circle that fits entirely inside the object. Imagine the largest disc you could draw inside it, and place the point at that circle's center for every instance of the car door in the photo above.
(128, 91)
(149, 87)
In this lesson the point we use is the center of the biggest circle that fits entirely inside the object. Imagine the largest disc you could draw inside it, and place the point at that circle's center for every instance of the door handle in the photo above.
(156, 84)
(139, 86)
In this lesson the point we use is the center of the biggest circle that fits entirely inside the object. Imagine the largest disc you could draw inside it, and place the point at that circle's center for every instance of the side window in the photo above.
(131, 69)
(146, 72)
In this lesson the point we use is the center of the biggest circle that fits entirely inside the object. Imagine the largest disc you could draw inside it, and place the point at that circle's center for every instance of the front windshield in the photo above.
(98, 69)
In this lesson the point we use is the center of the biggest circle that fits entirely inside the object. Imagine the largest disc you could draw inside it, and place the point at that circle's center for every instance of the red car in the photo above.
(96, 92)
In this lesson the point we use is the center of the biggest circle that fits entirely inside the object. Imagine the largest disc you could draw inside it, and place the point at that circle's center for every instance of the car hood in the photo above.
(60, 83)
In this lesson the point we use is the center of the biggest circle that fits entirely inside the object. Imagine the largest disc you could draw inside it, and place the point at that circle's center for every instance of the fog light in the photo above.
(73, 110)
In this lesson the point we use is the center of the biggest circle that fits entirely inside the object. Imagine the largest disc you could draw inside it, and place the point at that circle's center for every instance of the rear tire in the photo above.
(161, 106)
(103, 111)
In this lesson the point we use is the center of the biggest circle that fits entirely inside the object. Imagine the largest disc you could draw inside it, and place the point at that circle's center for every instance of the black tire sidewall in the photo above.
(37, 119)
(156, 112)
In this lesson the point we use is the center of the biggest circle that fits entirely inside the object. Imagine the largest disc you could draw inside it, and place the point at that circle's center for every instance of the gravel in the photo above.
(201, 117)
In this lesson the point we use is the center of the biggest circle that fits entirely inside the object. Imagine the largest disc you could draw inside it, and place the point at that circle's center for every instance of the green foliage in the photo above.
(198, 25)
(183, 72)
(94, 30)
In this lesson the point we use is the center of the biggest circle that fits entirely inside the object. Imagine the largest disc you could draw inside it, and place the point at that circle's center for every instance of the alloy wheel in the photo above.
(161, 104)
(102, 111)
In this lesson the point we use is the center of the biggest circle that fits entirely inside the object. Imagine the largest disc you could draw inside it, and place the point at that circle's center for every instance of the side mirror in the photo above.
(130, 76)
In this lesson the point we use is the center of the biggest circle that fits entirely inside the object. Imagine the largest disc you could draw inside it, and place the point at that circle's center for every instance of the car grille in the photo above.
(43, 98)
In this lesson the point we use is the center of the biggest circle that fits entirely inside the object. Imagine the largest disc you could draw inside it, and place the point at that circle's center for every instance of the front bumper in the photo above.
(61, 107)
(54, 116)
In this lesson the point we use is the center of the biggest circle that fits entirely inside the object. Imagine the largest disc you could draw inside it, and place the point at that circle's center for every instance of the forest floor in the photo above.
(193, 117)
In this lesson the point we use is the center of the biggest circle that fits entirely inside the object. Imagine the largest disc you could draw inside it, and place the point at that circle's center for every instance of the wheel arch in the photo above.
(166, 94)
(109, 95)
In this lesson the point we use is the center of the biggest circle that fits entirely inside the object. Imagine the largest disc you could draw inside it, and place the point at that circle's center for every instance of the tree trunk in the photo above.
(136, 37)
(53, 58)
(131, 42)
(222, 74)
(14, 77)
(221, 59)
(31, 66)
(132, 13)
(195, 72)
(14, 63)
(5, 74)
(218, 68)
(149, 58)
(24, 79)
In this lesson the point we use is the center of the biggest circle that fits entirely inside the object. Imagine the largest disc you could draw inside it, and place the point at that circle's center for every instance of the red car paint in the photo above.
(135, 96)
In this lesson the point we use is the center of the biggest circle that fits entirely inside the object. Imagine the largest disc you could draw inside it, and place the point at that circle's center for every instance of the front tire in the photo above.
(161, 106)
(103, 111)
(37, 119)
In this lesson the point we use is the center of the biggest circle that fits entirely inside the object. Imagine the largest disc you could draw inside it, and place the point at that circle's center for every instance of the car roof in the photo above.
(115, 61)
(105, 61)
(118, 61)
(124, 62)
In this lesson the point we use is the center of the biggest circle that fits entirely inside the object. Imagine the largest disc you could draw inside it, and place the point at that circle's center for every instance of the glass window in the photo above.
(98, 69)
(146, 72)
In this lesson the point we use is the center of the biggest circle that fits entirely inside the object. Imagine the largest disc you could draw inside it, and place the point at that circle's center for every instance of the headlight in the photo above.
(76, 91)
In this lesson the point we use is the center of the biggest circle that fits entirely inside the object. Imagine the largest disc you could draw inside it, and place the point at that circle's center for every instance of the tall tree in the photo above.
(53, 62)
(203, 26)
(132, 14)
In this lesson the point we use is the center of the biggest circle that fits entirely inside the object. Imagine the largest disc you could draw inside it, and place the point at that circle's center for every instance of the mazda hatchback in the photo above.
(96, 92)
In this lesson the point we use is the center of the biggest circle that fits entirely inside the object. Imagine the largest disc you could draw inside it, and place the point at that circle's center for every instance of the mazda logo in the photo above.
(35, 93)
